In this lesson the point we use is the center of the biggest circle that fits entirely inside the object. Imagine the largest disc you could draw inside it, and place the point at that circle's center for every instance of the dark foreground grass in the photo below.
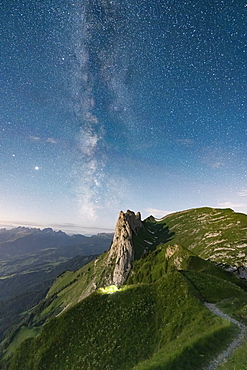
(156, 326)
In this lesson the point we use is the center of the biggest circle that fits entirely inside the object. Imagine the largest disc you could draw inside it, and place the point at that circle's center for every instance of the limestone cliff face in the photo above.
(121, 253)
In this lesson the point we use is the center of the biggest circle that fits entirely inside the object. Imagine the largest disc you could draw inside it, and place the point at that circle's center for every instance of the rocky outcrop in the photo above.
(121, 253)
(240, 272)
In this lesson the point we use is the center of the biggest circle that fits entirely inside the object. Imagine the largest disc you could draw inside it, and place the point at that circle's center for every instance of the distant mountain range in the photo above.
(28, 249)
(22, 240)
(148, 302)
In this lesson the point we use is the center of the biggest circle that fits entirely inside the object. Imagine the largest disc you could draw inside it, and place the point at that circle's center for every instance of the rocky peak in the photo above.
(133, 220)
(121, 253)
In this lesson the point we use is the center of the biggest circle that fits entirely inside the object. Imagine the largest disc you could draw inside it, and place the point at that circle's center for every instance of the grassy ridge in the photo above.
(156, 321)
(210, 283)
(218, 234)
(69, 288)
(163, 322)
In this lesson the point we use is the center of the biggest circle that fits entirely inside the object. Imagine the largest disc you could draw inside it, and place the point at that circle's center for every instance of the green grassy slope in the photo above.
(156, 321)
(218, 234)
(20, 293)
(211, 283)
(146, 326)
(70, 288)
(23, 333)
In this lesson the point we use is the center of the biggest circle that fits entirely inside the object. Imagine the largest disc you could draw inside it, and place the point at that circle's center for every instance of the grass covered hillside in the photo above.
(210, 283)
(145, 326)
(216, 234)
(67, 290)
(157, 319)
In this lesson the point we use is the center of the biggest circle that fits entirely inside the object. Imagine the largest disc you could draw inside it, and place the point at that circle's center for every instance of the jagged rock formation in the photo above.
(121, 253)
(114, 267)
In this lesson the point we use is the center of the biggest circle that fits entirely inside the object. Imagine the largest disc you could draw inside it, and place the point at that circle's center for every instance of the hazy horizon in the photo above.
(86, 230)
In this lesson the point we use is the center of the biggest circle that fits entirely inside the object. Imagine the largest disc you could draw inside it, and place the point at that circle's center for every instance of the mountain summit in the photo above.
(121, 253)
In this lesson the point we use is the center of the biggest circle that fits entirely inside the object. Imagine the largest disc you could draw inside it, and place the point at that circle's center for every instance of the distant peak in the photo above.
(47, 230)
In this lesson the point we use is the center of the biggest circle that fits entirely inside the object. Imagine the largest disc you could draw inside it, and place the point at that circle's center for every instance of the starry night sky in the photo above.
(110, 105)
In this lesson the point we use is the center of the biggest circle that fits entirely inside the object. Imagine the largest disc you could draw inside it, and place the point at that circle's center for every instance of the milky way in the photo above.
(122, 104)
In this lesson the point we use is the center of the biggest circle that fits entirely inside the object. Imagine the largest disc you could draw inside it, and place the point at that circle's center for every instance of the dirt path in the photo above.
(222, 357)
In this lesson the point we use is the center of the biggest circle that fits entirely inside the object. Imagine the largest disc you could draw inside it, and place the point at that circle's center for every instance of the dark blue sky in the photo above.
(109, 105)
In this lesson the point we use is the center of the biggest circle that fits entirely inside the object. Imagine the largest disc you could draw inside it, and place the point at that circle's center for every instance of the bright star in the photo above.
(36, 168)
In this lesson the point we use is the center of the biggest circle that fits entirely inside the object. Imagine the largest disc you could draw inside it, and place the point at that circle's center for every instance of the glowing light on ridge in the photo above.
(109, 289)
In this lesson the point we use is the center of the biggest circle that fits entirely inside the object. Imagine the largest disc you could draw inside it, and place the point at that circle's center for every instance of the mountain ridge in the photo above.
(22, 240)
(160, 265)
(199, 229)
